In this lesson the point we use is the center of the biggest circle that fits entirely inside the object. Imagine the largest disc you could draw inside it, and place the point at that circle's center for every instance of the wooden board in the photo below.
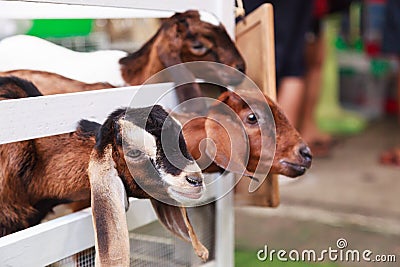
(255, 41)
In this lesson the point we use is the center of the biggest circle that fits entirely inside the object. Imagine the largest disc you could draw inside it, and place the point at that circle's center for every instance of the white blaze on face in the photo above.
(192, 168)
(138, 138)
(180, 179)
(209, 18)
(179, 188)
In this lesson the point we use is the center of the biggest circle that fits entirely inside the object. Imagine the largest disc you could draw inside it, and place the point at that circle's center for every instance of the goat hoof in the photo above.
(202, 252)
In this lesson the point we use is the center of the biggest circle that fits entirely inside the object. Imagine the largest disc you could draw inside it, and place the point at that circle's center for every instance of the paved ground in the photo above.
(349, 195)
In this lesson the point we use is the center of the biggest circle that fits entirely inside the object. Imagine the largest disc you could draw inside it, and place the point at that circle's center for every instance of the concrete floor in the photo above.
(348, 195)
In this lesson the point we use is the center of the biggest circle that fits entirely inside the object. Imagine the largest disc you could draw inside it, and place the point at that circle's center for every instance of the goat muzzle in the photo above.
(299, 165)
(305, 154)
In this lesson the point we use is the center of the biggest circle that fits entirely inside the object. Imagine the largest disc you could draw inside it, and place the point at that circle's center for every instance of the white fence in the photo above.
(50, 115)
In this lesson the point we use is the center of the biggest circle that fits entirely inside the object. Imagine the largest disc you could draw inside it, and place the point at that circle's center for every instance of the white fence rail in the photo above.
(56, 114)
(57, 239)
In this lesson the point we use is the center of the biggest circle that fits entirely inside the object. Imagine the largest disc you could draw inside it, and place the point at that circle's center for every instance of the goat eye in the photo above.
(134, 153)
(251, 118)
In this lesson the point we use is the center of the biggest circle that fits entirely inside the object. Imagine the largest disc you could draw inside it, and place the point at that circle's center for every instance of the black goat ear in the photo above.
(109, 131)
(108, 201)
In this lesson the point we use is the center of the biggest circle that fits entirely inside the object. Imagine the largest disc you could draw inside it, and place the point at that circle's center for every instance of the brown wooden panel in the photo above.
(255, 41)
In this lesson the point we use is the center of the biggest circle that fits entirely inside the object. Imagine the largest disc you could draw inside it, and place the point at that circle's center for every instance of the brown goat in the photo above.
(291, 157)
(54, 170)
(183, 37)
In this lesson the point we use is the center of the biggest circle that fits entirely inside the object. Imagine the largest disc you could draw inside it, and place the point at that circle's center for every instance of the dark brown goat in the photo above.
(36, 175)
(184, 37)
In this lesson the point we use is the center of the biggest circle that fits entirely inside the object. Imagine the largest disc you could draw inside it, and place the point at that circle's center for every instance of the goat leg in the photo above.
(175, 219)
(198, 247)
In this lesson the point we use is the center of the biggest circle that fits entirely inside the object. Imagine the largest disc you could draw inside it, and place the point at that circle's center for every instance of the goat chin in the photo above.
(186, 197)
(290, 169)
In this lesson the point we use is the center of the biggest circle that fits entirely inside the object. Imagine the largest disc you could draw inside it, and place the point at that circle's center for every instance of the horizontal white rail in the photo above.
(34, 9)
(36, 117)
(54, 240)
(23, 10)
(175, 5)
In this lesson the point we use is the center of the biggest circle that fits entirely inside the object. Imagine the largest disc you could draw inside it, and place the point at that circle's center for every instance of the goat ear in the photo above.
(227, 142)
(108, 198)
(231, 99)
(169, 49)
(169, 45)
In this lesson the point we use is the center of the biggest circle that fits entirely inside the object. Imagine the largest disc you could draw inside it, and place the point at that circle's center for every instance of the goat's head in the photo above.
(291, 156)
(187, 37)
(130, 159)
(133, 139)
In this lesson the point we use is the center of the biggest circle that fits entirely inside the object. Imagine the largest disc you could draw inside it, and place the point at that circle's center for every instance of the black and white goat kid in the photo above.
(137, 134)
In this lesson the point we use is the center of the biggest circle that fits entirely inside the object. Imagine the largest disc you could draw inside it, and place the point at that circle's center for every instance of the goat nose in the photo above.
(305, 152)
(241, 67)
(194, 180)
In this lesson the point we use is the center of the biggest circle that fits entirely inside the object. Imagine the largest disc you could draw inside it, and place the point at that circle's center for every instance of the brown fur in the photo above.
(47, 171)
(51, 83)
(173, 43)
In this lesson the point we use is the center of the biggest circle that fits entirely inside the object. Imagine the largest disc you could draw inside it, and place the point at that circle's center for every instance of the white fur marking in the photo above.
(192, 168)
(138, 138)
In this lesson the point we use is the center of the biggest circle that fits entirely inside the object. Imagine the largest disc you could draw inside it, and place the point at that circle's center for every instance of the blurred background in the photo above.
(352, 190)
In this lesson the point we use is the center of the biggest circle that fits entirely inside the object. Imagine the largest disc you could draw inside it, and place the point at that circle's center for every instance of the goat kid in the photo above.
(184, 37)
(54, 170)
(291, 156)
(108, 164)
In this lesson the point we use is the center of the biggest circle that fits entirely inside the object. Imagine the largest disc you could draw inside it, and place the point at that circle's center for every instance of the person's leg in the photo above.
(290, 94)
(290, 35)
(309, 129)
